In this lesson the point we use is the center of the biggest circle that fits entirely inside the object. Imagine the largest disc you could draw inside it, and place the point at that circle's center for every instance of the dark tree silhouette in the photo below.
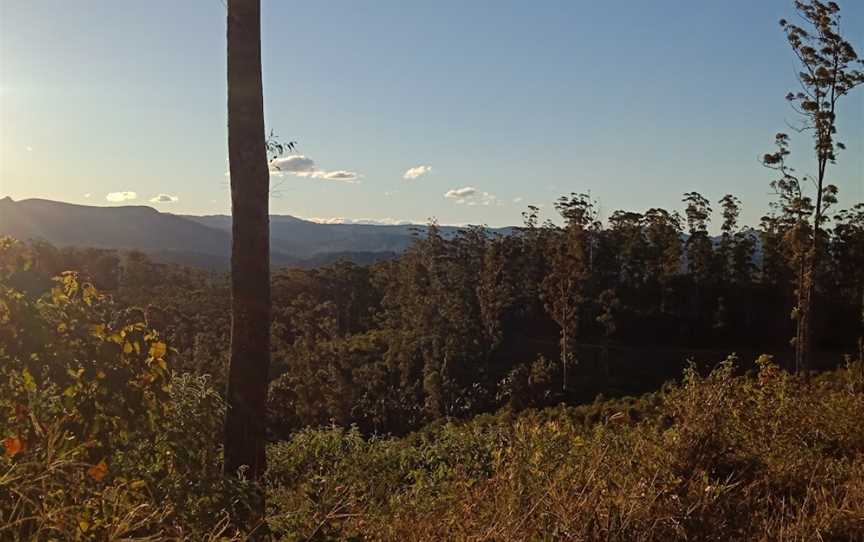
(250, 255)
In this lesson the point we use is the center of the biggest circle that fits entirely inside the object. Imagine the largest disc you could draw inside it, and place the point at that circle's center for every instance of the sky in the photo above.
(404, 111)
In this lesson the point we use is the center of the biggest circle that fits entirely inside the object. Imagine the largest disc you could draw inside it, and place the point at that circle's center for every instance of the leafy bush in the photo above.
(99, 440)
(719, 457)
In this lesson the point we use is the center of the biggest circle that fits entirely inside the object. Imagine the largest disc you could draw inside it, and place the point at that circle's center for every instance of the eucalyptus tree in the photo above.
(829, 68)
(564, 284)
(250, 252)
(663, 258)
(698, 246)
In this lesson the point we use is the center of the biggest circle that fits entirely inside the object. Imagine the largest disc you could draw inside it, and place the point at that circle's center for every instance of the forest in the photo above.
(465, 325)
(635, 375)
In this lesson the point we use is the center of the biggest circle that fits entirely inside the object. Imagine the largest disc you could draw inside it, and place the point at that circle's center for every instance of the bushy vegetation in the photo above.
(103, 439)
(100, 441)
(719, 457)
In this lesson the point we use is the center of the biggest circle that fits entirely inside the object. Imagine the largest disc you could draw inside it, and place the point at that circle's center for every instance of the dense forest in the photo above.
(457, 326)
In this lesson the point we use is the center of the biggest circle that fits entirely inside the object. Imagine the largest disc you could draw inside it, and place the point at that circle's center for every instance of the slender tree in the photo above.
(790, 218)
(663, 254)
(250, 253)
(564, 285)
(698, 246)
(829, 69)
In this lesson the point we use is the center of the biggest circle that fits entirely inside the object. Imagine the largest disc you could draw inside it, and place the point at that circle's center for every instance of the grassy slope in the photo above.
(718, 458)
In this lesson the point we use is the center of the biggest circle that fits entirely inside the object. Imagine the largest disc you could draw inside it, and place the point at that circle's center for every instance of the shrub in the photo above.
(718, 457)
(100, 440)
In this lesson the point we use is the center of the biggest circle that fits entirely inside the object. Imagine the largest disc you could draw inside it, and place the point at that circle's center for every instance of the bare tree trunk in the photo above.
(803, 313)
(564, 354)
(813, 260)
(250, 250)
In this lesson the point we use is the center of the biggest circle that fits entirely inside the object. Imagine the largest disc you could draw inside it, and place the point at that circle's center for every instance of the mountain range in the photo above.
(203, 241)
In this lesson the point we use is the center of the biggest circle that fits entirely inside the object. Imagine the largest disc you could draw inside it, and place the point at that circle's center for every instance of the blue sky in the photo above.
(635, 101)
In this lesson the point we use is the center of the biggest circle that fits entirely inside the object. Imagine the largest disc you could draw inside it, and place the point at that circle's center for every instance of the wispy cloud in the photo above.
(87, 195)
(164, 198)
(364, 221)
(460, 193)
(116, 197)
(303, 166)
(341, 175)
(520, 199)
(471, 197)
(416, 172)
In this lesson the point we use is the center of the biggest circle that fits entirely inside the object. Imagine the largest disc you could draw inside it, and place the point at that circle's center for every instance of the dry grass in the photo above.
(726, 458)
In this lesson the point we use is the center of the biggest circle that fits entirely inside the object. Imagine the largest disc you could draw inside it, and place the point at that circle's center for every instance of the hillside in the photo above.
(127, 227)
(305, 239)
(203, 241)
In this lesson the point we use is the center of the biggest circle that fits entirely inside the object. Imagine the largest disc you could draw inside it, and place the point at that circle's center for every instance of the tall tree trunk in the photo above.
(813, 260)
(250, 249)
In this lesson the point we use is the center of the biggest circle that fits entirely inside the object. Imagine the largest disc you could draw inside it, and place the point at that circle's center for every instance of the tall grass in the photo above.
(720, 457)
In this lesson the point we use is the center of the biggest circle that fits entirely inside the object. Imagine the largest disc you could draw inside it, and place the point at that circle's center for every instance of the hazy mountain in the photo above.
(198, 240)
(306, 239)
(127, 227)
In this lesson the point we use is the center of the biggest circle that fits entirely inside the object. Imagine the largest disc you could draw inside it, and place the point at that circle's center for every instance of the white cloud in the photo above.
(416, 172)
(29, 148)
(471, 197)
(518, 200)
(459, 193)
(87, 195)
(164, 198)
(303, 166)
(292, 164)
(117, 197)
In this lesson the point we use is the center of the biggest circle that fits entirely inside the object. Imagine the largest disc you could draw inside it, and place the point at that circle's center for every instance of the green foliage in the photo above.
(719, 457)
(100, 442)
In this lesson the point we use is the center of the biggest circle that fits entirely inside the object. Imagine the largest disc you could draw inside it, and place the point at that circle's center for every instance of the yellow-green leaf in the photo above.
(29, 382)
(158, 350)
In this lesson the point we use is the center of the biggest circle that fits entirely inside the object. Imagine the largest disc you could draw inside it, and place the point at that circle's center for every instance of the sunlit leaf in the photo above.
(98, 471)
(29, 382)
(158, 350)
(13, 446)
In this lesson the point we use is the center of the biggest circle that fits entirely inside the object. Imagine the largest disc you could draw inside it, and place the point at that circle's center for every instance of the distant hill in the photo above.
(305, 239)
(203, 241)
